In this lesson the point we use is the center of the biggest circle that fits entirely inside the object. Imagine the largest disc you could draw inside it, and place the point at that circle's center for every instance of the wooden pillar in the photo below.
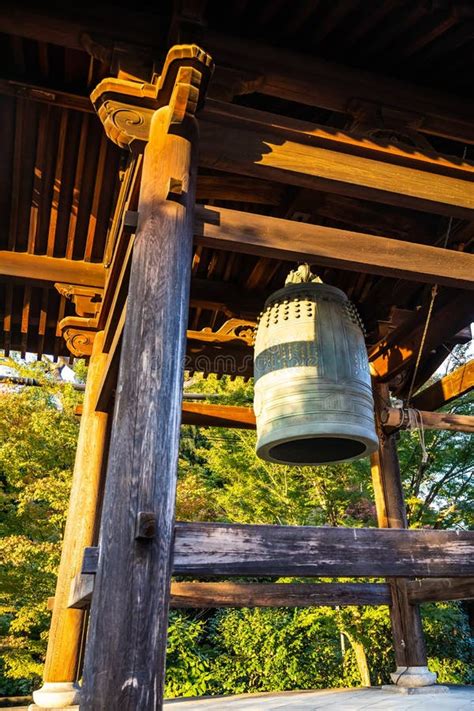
(66, 631)
(126, 646)
(410, 650)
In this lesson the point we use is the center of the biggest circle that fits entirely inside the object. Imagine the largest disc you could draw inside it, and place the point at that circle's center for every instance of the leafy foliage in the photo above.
(38, 434)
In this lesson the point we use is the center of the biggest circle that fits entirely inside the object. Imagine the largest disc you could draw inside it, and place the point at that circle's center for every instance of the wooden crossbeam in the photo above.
(447, 389)
(266, 236)
(47, 270)
(210, 595)
(231, 549)
(184, 595)
(261, 145)
(216, 549)
(440, 589)
(316, 82)
(206, 415)
(401, 418)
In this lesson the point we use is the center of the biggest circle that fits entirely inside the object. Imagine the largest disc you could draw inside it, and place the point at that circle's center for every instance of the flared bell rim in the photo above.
(353, 446)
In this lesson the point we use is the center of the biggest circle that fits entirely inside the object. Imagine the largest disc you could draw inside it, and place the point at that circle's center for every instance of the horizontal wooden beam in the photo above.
(266, 236)
(213, 595)
(443, 391)
(261, 145)
(206, 415)
(316, 82)
(440, 589)
(185, 595)
(405, 418)
(43, 269)
(219, 549)
(235, 550)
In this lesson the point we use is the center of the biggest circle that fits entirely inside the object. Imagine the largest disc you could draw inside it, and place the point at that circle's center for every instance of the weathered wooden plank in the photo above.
(126, 646)
(185, 595)
(401, 418)
(230, 549)
(206, 595)
(266, 236)
(261, 145)
(41, 268)
(440, 589)
(205, 415)
(443, 391)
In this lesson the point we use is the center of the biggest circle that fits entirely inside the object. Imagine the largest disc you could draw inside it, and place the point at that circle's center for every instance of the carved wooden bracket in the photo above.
(126, 107)
(233, 330)
(79, 334)
(86, 300)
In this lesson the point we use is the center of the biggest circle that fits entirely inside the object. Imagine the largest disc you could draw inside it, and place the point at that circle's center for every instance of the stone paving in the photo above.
(457, 698)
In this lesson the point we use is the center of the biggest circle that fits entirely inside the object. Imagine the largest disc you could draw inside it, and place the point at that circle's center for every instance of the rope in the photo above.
(434, 292)
(415, 422)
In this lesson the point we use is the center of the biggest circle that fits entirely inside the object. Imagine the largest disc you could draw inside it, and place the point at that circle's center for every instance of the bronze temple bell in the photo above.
(313, 395)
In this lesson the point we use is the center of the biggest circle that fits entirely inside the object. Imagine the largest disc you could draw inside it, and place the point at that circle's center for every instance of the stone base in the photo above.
(433, 689)
(56, 695)
(413, 677)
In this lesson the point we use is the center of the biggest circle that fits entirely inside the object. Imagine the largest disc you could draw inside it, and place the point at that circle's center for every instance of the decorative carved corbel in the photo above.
(79, 334)
(86, 300)
(126, 107)
(232, 331)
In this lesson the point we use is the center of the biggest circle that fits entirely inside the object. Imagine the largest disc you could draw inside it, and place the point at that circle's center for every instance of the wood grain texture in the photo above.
(126, 647)
(261, 145)
(206, 415)
(291, 240)
(41, 268)
(393, 418)
(440, 589)
(231, 549)
(189, 595)
(82, 588)
(66, 631)
(447, 389)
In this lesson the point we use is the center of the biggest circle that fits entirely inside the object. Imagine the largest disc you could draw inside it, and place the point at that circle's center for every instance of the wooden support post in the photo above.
(65, 637)
(410, 650)
(126, 647)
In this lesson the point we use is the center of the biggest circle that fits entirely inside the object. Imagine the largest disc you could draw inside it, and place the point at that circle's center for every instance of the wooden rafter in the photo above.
(447, 389)
(41, 268)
